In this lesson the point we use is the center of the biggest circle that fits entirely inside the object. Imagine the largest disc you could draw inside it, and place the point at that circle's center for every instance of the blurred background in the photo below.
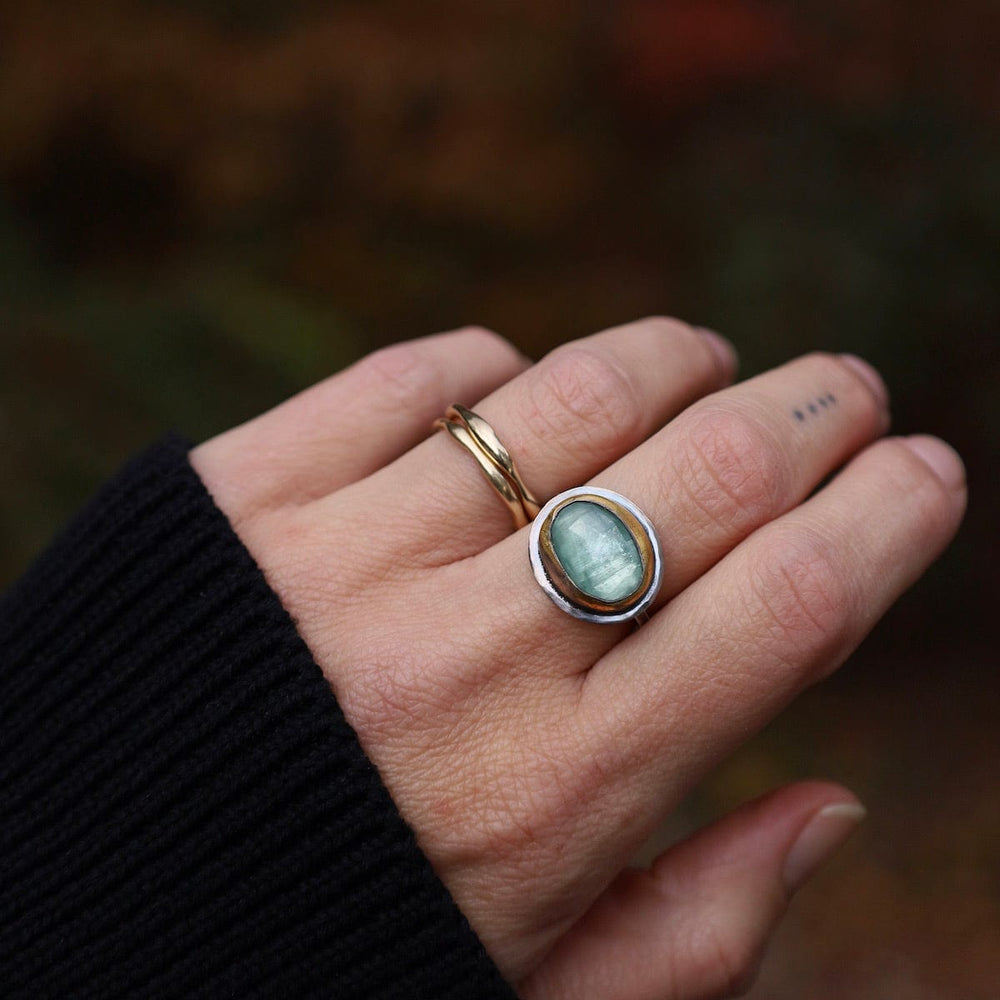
(205, 206)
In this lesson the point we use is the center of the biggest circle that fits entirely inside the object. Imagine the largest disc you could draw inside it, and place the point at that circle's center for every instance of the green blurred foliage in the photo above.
(207, 206)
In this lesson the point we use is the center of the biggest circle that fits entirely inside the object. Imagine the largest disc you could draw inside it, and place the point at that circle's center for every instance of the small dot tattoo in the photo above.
(813, 407)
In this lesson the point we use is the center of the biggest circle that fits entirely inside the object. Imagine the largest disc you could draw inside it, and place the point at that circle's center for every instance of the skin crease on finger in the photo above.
(526, 806)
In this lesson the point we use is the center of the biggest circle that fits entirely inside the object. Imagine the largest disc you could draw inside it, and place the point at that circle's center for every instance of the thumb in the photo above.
(694, 926)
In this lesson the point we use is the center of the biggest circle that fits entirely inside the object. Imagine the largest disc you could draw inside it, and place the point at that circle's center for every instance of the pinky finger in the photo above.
(695, 925)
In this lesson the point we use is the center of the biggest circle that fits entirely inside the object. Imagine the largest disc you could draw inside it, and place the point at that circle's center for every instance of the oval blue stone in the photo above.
(597, 551)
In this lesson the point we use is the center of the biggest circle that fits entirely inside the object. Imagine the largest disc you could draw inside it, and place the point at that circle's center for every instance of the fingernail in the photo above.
(943, 460)
(725, 353)
(819, 840)
(869, 376)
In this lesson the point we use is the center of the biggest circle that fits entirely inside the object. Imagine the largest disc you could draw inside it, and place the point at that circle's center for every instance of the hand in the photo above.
(533, 753)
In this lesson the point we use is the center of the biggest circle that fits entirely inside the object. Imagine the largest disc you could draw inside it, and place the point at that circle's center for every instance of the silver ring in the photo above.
(596, 555)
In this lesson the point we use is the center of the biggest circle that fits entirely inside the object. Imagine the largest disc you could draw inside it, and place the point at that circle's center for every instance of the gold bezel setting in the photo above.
(554, 580)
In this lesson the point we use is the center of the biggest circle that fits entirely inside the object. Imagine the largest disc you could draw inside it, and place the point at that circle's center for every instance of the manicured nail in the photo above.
(869, 376)
(943, 460)
(723, 350)
(819, 840)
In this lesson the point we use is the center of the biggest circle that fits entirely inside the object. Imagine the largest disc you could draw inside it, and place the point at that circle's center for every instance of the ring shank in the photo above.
(481, 441)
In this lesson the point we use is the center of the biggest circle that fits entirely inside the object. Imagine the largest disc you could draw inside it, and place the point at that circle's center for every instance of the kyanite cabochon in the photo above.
(597, 551)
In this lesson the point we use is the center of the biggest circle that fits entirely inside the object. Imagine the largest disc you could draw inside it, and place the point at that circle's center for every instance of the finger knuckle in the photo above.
(586, 398)
(804, 597)
(732, 468)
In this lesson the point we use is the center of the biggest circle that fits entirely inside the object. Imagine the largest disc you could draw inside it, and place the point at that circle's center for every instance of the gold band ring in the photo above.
(481, 441)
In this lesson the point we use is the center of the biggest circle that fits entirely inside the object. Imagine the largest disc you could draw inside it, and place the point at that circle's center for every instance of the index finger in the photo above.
(781, 611)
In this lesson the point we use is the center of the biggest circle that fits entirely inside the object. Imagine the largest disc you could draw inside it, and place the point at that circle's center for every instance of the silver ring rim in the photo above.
(559, 599)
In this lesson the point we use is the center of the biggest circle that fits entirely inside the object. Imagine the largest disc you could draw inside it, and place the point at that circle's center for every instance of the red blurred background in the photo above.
(206, 206)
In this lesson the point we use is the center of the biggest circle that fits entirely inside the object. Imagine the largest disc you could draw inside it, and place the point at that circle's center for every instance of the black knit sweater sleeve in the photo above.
(184, 811)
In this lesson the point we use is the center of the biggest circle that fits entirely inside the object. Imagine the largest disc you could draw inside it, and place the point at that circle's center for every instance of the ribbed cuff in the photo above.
(184, 811)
